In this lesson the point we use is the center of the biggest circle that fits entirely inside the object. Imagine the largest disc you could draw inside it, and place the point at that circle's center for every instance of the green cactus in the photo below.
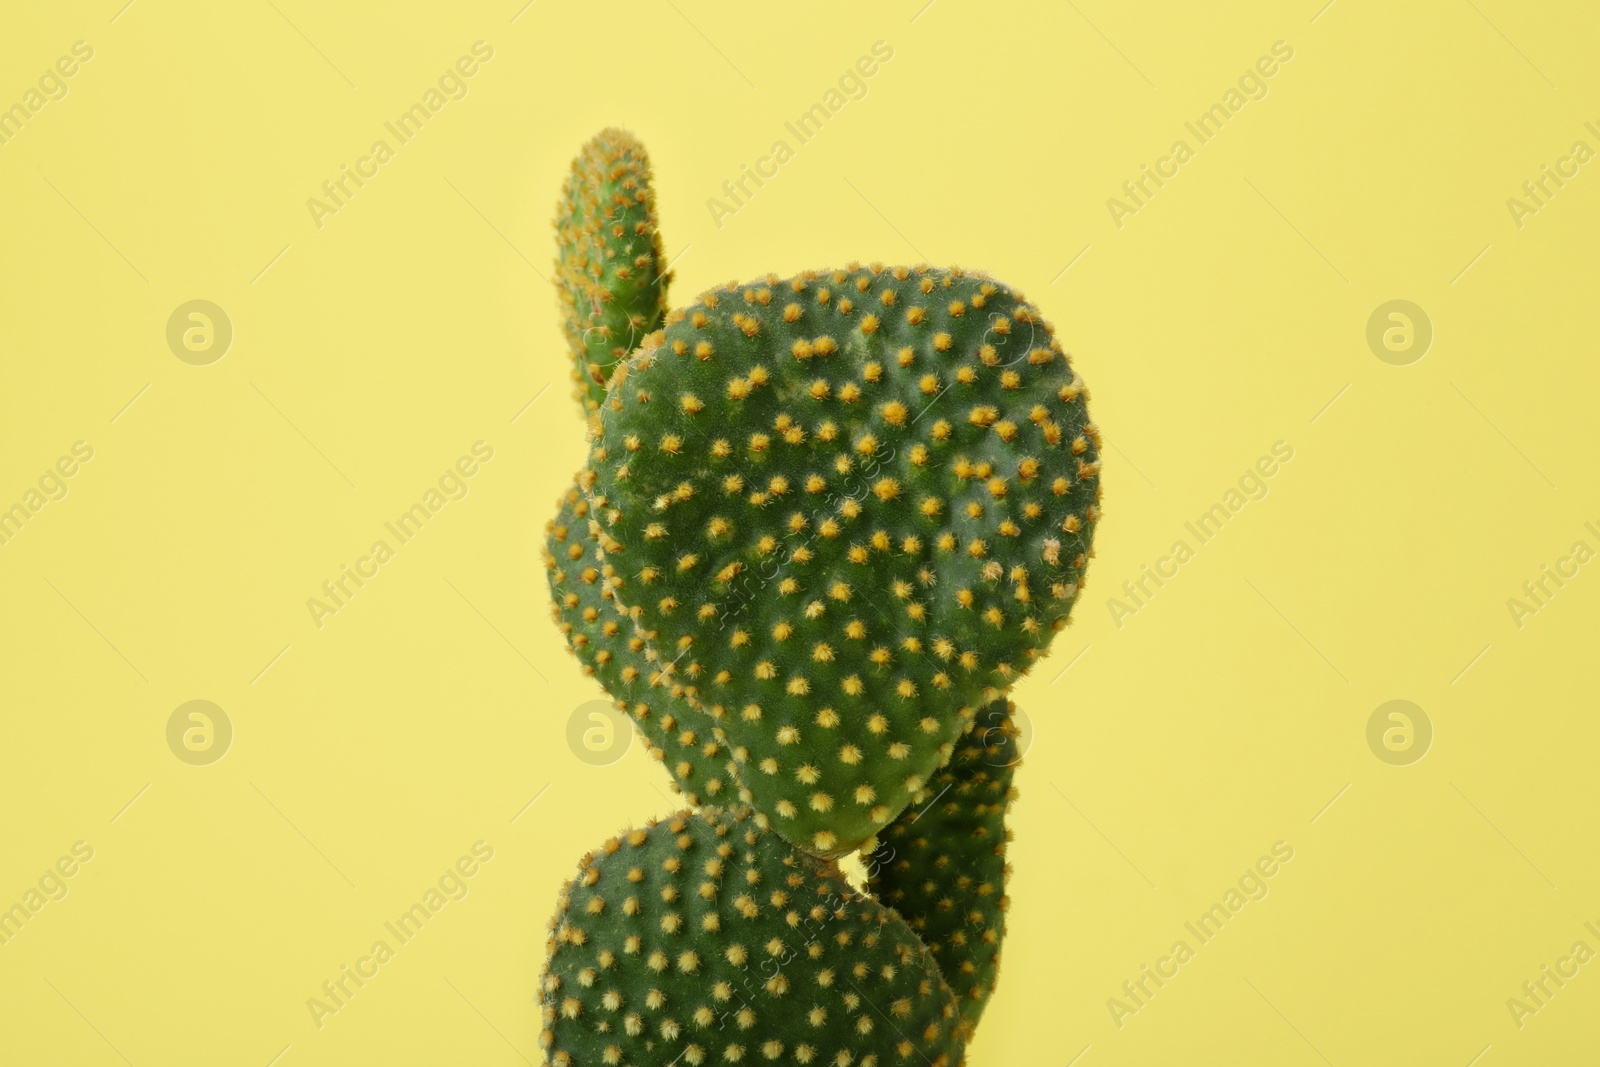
(610, 270)
(826, 525)
(854, 506)
(706, 940)
(942, 863)
(615, 654)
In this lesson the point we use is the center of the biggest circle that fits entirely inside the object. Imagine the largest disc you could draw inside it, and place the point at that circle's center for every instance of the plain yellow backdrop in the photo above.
(1172, 745)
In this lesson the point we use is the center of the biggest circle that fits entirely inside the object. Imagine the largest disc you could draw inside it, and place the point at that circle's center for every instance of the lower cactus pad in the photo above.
(704, 939)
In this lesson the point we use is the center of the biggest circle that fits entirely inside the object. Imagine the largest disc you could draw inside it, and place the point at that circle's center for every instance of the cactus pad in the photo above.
(614, 653)
(610, 270)
(706, 940)
(853, 506)
(943, 867)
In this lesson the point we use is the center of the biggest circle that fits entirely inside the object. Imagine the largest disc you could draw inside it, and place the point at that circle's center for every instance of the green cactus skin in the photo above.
(706, 940)
(943, 866)
(612, 652)
(610, 269)
(854, 506)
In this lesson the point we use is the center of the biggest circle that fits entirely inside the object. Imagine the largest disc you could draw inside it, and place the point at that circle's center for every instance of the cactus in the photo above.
(943, 867)
(615, 654)
(854, 506)
(707, 940)
(610, 271)
(826, 524)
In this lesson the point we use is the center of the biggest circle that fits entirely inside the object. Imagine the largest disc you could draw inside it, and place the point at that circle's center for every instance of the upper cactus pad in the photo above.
(853, 506)
(705, 940)
(610, 269)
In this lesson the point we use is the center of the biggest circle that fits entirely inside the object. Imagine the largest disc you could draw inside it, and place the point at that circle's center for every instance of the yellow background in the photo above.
(369, 354)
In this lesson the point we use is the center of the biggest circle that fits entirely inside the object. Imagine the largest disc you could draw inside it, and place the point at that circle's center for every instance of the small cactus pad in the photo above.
(854, 506)
(706, 940)
(943, 866)
(612, 652)
(610, 270)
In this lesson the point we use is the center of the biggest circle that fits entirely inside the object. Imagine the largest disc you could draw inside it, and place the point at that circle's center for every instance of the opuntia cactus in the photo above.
(854, 506)
(610, 270)
(826, 524)
(943, 866)
(707, 939)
